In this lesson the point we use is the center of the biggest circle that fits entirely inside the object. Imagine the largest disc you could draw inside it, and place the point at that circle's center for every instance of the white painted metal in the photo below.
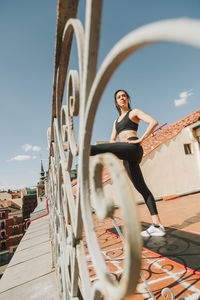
(69, 214)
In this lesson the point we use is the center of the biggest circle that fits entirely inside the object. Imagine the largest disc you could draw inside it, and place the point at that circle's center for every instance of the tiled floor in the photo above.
(182, 213)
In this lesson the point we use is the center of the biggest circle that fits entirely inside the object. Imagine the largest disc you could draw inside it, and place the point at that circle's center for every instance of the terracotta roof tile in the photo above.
(74, 182)
(169, 132)
(3, 203)
(105, 177)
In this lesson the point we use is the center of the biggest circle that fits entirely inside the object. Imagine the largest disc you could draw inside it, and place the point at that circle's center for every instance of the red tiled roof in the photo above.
(74, 182)
(169, 132)
(105, 177)
(3, 203)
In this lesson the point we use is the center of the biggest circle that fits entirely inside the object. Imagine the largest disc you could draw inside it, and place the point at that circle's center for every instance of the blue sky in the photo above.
(162, 79)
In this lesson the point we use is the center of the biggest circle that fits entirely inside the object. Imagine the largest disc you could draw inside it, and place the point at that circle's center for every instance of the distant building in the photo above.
(10, 195)
(14, 228)
(73, 174)
(41, 186)
(3, 218)
(11, 231)
(17, 197)
(29, 203)
(5, 195)
(5, 255)
(171, 162)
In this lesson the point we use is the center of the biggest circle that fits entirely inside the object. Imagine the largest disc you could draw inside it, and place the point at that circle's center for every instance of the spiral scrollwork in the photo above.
(166, 292)
(70, 213)
(104, 208)
(72, 108)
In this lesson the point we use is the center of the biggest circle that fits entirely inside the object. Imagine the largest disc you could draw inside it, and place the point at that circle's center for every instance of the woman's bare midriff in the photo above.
(124, 135)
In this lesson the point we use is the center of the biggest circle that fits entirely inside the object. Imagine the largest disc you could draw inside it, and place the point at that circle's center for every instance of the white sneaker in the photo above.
(153, 231)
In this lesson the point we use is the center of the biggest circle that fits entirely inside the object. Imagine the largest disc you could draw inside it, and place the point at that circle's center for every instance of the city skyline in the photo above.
(162, 79)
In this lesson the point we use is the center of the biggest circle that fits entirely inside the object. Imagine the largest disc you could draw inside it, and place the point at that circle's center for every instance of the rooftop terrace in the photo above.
(30, 272)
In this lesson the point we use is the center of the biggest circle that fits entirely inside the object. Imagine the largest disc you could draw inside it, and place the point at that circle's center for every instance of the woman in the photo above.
(131, 152)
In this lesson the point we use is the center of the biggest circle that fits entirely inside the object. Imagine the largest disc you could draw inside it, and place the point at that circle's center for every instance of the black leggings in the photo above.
(131, 154)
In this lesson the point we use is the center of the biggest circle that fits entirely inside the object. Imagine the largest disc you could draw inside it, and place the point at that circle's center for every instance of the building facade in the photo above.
(11, 233)
(3, 234)
(41, 186)
(29, 203)
(173, 166)
(14, 230)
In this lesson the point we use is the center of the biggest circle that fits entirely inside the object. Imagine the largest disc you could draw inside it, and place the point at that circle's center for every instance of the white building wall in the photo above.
(168, 170)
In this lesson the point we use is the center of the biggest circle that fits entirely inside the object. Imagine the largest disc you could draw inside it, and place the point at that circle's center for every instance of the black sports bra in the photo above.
(125, 124)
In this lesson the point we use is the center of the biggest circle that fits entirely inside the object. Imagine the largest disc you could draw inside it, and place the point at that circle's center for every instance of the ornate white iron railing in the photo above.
(69, 216)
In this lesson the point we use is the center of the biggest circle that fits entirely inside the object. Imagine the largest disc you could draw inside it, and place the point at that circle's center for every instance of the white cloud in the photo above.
(21, 157)
(179, 102)
(183, 97)
(27, 147)
(36, 148)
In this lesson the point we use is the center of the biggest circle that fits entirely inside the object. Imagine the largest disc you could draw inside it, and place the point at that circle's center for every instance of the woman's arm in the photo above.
(147, 119)
(114, 134)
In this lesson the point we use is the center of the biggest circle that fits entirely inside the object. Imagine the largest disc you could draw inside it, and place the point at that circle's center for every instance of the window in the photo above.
(15, 230)
(3, 235)
(187, 148)
(2, 225)
(3, 245)
(15, 241)
(15, 221)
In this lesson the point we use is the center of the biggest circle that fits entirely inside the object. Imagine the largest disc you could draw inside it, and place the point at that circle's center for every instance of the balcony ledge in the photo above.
(30, 274)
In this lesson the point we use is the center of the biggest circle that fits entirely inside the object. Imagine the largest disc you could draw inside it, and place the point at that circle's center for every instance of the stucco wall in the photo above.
(168, 170)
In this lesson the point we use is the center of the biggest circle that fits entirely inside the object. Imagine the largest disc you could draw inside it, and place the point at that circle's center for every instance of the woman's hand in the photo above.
(147, 119)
